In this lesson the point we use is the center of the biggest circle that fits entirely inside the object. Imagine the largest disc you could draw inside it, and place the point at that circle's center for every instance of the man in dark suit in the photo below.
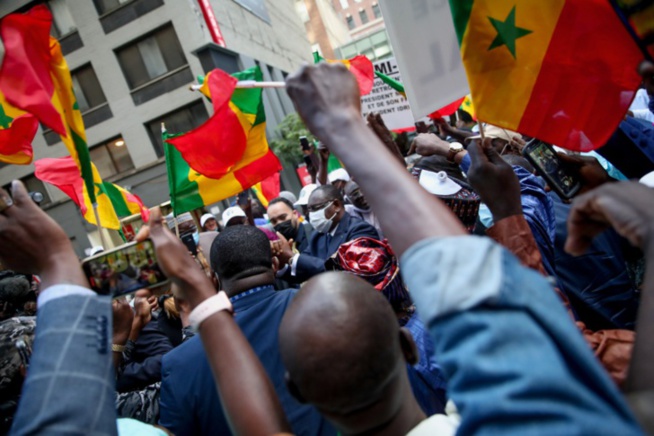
(190, 404)
(333, 227)
(286, 221)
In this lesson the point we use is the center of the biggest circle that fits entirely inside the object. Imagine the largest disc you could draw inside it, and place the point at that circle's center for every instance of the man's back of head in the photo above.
(343, 350)
(239, 252)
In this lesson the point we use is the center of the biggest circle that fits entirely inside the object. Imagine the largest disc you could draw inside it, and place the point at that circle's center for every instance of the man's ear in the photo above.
(216, 280)
(292, 388)
(409, 348)
(275, 264)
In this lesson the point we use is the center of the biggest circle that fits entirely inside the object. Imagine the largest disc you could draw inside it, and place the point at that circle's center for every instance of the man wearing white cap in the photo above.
(209, 223)
(302, 202)
(339, 177)
(234, 216)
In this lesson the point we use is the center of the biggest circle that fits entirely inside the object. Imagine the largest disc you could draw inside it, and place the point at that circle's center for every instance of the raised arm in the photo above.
(248, 398)
(327, 98)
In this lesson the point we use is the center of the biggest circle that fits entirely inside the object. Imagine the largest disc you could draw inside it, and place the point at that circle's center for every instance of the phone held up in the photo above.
(124, 270)
(304, 143)
(548, 165)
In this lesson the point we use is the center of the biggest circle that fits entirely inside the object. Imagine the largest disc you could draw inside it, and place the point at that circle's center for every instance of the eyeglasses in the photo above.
(317, 207)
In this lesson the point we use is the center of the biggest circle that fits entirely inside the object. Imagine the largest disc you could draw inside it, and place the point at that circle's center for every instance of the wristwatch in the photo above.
(455, 148)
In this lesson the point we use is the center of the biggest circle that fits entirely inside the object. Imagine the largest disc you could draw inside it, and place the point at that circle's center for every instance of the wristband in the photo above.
(117, 348)
(209, 307)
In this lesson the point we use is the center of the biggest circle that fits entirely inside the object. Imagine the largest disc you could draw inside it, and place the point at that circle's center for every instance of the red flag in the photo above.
(214, 148)
(16, 135)
(25, 73)
(64, 174)
(447, 110)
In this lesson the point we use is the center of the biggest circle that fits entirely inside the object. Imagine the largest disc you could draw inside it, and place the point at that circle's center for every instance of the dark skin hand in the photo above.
(447, 130)
(324, 154)
(327, 98)
(23, 228)
(586, 169)
(628, 207)
(122, 315)
(494, 180)
(377, 125)
(144, 304)
(282, 249)
(248, 398)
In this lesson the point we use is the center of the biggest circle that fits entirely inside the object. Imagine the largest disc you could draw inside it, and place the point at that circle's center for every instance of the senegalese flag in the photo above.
(235, 135)
(25, 73)
(124, 202)
(359, 65)
(563, 71)
(17, 130)
(190, 190)
(468, 106)
(395, 84)
(267, 189)
(638, 17)
(64, 174)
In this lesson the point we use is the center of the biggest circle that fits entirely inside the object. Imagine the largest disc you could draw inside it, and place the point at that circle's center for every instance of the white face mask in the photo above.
(319, 221)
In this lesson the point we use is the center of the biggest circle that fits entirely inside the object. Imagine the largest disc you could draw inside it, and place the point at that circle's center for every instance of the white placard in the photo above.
(394, 108)
(427, 51)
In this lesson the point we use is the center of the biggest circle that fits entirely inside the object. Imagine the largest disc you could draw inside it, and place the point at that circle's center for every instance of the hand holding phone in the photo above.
(549, 166)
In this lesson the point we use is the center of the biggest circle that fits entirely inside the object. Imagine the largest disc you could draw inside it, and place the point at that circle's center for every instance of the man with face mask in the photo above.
(286, 221)
(333, 225)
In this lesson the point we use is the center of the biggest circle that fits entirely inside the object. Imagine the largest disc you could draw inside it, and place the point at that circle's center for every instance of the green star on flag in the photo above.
(5, 120)
(507, 33)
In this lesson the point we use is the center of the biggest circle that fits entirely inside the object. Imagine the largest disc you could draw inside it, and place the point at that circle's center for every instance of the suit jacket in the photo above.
(303, 237)
(69, 387)
(190, 404)
(322, 245)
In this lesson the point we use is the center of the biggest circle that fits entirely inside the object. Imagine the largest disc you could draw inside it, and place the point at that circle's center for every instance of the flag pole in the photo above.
(481, 130)
(97, 221)
(248, 84)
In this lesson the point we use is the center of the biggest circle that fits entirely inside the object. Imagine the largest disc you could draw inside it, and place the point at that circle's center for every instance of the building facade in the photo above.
(361, 17)
(132, 62)
(324, 26)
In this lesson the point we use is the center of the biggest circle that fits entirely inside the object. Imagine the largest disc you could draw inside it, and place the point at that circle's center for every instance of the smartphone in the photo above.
(543, 157)
(188, 240)
(304, 143)
(124, 270)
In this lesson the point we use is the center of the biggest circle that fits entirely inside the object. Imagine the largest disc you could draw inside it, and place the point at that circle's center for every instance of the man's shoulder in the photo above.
(185, 354)
(360, 227)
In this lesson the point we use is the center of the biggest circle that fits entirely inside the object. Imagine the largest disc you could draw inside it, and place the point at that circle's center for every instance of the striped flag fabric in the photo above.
(359, 65)
(17, 130)
(395, 84)
(267, 189)
(562, 71)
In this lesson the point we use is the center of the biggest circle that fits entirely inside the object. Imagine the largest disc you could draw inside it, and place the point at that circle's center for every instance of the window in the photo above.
(376, 10)
(33, 185)
(363, 15)
(111, 158)
(87, 88)
(350, 21)
(301, 9)
(151, 57)
(180, 121)
(62, 21)
(104, 6)
(344, 4)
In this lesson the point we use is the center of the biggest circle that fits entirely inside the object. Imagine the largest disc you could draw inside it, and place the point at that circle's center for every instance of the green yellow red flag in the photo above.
(563, 71)
(359, 65)
(17, 130)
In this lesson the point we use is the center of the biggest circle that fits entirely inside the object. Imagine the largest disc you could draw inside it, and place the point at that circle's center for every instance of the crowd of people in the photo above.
(434, 290)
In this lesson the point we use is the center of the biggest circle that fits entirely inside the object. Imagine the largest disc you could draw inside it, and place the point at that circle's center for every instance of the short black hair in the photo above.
(281, 200)
(464, 116)
(239, 252)
(331, 192)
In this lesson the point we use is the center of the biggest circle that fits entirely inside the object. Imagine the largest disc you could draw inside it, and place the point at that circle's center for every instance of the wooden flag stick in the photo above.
(97, 222)
(249, 84)
(481, 130)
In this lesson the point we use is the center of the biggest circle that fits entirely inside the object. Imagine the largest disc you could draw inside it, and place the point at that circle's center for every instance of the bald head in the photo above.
(340, 343)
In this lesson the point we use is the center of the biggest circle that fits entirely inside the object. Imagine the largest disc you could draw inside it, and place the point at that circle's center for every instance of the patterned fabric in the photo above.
(250, 292)
(142, 405)
(375, 262)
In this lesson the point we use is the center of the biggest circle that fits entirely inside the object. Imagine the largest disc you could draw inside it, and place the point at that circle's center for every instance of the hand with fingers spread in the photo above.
(494, 180)
(32, 242)
(628, 207)
(586, 169)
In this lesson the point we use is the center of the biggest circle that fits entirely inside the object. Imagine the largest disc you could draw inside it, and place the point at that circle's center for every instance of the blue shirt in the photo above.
(516, 363)
(189, 402)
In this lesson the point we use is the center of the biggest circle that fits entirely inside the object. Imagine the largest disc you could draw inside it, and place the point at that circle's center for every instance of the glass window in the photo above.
(151, 57)
(344, 4)
(379, 37)
(106, 5)
(62, 21)
(349, 51)
(87, 88)
(350, 22)
(180, 121)
(376, 10)
(363, 15)
(111, 158)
